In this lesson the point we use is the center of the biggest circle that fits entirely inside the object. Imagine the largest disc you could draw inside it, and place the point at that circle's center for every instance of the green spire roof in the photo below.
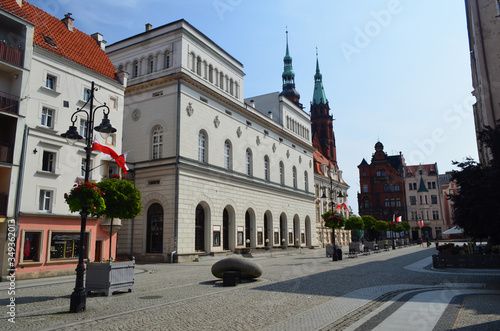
(319, 96)
(288, 74)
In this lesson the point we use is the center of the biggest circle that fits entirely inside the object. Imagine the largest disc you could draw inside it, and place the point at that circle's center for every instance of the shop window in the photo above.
(31, 248)
(64, 245)
(216, 235)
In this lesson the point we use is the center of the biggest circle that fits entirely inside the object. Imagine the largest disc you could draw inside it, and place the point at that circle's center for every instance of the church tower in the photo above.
(289, 79)
(323, 137)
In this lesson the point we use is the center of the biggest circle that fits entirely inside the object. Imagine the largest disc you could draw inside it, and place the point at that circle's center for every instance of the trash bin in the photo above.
(339, 252)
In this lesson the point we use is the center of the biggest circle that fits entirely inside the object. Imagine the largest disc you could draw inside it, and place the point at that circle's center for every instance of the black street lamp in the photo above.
(79, 295)
(335, 257)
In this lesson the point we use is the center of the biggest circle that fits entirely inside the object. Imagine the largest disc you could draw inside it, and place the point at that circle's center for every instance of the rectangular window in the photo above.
(240, 238)
(434, 199)
(113, 171)
(64, 245)
(276, 237)
(290, 236)
(365, 188)
(45, 201)
(216, 235)
(50, 82)
(413, 200)
(410, 186)
(47, 117)
(86, 94)
(433, 185)
(435, 215)
(31, 247)
(303, 237)
(91, 165)
(83, 128)
(49, 161)
(260, 236)
(429, 185)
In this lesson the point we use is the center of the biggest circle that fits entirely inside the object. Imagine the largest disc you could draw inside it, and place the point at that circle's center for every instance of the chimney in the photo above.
(148, 27)
(98, 37)
(68, 20)
(252, 103)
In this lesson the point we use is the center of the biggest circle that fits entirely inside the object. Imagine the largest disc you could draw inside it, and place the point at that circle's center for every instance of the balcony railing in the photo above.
(9, 103)
(11, 54)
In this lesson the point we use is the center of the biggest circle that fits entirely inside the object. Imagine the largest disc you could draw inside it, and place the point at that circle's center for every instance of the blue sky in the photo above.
(394, 71)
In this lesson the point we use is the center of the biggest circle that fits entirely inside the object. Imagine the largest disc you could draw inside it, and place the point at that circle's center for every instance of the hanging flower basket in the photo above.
(333, 220)
(86, 195)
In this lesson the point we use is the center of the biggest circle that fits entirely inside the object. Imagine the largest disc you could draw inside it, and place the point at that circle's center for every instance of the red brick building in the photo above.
(381, 183)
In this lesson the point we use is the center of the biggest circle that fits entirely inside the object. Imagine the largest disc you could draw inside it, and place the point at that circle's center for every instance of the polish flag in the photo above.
(398, 220)
(120, 159)
(344, 205)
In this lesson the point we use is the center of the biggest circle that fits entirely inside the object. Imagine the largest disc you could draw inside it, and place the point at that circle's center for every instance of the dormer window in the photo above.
(49, 41)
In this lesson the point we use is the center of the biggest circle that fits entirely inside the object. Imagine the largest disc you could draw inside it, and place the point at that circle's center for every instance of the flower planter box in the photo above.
(109, 277)
(356, 247)
(465, 261)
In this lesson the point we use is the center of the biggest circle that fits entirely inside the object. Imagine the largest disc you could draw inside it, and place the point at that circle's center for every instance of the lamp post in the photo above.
(332, 204)
(79, 295)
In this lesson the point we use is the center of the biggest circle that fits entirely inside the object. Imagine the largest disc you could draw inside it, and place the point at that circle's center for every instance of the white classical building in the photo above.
(217, 172)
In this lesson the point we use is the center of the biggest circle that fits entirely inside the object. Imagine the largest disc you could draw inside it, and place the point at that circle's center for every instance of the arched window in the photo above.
(210, 74)
(202, 147)
(306, 182)
(249, 162)
(282, 173)
(198, 66)
(393, 202)
(154, 241)
(227, 155)
(398, 202)
(166, 60)
(396, 187)
(135, 69)
(266, 168)
(193, 62)
(294, 176)
(386, 187)
(366, 203)
(151, 64)
(387, 202)
(157, 143)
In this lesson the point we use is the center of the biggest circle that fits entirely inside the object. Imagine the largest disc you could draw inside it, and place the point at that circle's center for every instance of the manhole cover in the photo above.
(151, 297)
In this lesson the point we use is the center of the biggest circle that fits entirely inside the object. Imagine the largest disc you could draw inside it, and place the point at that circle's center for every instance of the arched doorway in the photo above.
(296, 231)
(225, 230)
(308, 232)
(199, 230)
(426, 232)
(247, 229)
(268, 229)
(154, 241)
(283, 230)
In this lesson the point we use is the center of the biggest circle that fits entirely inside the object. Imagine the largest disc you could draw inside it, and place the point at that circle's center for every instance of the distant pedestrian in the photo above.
(437, 243)
(421, 241)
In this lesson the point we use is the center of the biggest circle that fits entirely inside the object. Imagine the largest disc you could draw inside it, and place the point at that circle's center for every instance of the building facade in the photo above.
(424, 201)
(382, 192)
(483, 26)
(217, 172)
(56, 77)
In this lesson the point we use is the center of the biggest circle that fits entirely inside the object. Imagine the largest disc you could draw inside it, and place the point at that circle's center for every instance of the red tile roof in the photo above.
(73, 45)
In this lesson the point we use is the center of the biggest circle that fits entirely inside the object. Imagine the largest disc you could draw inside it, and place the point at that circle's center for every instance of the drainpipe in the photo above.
(176, 189)
(20, 177)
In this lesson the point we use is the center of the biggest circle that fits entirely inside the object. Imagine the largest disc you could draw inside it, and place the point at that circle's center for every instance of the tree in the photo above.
(369, 223)
(123, 200)
(380, 226)
(475, 205)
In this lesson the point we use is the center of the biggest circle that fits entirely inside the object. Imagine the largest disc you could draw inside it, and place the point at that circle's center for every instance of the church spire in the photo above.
(289, 78)
(319, 96)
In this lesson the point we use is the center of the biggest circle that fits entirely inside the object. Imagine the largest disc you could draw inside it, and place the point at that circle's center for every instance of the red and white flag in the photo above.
(398, 220)
(120, 159)
(344, 205)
